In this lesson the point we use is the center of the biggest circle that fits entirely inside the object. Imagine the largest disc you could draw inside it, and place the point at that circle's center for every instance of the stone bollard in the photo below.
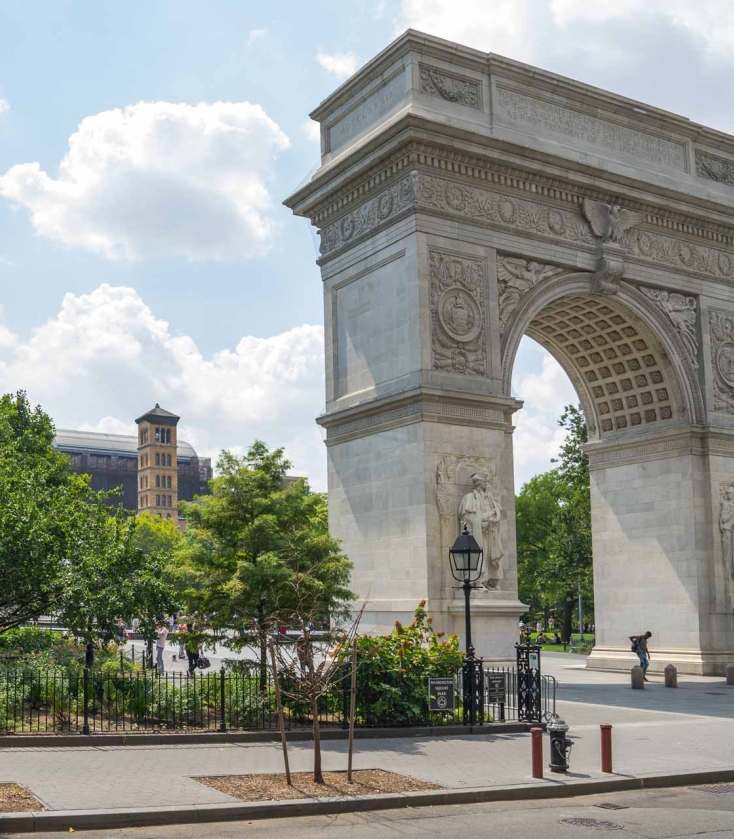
(638, 678)
(671, 676)
(730, 674)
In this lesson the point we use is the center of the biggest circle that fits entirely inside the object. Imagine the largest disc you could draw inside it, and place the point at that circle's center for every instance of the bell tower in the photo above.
(158, 463)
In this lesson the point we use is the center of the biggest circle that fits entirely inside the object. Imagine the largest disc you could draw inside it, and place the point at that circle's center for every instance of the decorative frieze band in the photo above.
(644, 452)
(441, 411)
(365, 218)
(420, 191)
(501, 209)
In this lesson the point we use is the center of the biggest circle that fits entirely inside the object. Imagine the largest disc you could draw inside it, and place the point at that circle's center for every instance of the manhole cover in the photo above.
(609, 806)
(716, 789)
(594, 824)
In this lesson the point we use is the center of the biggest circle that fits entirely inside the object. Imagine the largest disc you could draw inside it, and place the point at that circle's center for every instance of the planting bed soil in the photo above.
(17, 799)
(274, 787)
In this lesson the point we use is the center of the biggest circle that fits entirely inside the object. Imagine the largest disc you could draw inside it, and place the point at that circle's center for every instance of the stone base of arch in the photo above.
(658, 563)
(694, 663)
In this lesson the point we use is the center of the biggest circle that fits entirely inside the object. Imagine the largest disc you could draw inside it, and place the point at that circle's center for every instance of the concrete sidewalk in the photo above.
(665, 731)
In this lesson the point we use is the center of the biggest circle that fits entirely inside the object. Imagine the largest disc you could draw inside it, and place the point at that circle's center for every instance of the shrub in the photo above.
(393, 671)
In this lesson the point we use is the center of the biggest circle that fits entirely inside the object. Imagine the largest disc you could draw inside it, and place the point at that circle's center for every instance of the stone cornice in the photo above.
(639, 448)
(419, 405)
(475, 170)
(577, 93)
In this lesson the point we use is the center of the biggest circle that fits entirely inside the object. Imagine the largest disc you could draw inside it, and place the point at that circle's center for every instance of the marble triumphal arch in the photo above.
(465, 200)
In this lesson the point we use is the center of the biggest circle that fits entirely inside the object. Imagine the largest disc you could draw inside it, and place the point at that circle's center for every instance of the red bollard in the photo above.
(536, 745)
(606, 748)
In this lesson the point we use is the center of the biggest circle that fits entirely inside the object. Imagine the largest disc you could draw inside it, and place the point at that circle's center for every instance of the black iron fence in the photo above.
(84, 701)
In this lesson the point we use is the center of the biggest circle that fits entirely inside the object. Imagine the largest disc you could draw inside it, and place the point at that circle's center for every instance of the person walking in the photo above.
(191, 644)
(160, 646)
(639, 646)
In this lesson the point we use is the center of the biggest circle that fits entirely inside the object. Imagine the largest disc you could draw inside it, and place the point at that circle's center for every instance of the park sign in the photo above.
(495, 687)
(440, 693)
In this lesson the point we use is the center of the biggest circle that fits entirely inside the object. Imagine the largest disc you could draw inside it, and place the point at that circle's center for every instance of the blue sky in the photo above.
(144, 252)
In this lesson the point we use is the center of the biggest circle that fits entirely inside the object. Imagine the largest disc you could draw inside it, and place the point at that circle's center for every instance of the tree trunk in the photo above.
(318, 777)
(567, 625)
(263, 651)
(263, 664)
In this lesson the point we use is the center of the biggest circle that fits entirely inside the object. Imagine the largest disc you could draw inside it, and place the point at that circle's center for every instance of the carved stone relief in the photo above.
(515, 278)
(466, 494)
(368, 216)
(726, 528)
(681, 312)
(715, 168)
(609, 222)
(462, 91)
(681, 253)
(476, 203)
(487, 205)
(722, 350)
(458, 314)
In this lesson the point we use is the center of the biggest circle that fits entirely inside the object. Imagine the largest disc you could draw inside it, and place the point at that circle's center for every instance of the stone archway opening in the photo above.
(627, 377)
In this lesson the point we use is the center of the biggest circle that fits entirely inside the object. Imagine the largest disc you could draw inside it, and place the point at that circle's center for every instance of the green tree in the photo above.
(536, 509)
(63, 551)
(258, 552)
(107, 576)
(39, 505)
(570, 542)
(554, 528)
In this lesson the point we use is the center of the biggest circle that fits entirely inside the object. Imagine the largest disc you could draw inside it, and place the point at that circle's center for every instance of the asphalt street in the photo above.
(658, 814)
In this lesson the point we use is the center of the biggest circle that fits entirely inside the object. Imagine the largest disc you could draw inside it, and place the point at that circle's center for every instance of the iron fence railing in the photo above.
(133, 701)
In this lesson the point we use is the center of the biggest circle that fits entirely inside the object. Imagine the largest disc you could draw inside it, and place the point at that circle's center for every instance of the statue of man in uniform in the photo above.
(480, 511)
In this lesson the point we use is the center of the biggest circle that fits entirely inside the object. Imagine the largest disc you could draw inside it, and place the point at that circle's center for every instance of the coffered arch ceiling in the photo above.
(627, 375)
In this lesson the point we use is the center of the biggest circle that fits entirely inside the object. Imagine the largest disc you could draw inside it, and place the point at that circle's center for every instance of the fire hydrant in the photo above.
(560, 745)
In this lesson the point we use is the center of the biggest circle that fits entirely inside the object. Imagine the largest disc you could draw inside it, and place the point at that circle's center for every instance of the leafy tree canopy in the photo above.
(258, 552)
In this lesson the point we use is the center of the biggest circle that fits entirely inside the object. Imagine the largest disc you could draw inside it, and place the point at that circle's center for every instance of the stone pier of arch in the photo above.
(465, 200)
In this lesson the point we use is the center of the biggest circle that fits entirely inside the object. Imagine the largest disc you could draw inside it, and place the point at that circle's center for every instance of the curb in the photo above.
(149, 816)
(31, 741)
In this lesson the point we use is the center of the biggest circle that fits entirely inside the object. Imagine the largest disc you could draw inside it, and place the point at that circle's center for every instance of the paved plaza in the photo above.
(656, 731)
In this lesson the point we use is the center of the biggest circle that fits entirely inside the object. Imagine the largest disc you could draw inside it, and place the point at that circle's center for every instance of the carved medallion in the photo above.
(460, 315)
(458, 335)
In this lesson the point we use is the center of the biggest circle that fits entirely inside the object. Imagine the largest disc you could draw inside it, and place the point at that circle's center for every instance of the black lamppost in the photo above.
(466, 567)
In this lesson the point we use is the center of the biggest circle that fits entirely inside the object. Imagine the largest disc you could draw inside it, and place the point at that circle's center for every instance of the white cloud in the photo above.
(159, 179)
(105, 358)
(529, 29)
(503, 26)
(541, 382)
(311, 130)
(341, 64)
(4, 106)
(256, 35)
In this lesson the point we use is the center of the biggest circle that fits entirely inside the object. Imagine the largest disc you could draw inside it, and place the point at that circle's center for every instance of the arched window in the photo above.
(168, 482)
(157, 481)
(168, 459)
(157, 460)
(168, 515)
(157, 501)
(169, 501)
